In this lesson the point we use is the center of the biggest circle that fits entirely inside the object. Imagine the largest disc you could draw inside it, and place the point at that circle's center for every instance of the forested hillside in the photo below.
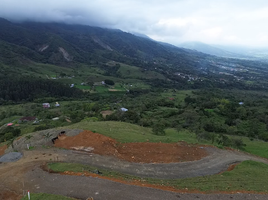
(100, 69)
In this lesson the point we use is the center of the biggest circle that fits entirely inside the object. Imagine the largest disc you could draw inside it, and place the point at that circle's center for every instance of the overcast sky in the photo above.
(241, 22)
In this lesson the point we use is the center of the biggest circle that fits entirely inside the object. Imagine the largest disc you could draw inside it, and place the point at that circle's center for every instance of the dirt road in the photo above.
(100, 189)
(217, 161)
(25, 174)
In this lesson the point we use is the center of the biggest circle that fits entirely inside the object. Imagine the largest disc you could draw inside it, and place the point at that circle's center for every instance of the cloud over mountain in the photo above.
(174, 21)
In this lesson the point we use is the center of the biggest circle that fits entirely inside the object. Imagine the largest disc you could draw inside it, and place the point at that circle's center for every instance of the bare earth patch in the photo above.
(9, 195)
(106, 112)
(134, 152)
(2, 150)
(113, 90)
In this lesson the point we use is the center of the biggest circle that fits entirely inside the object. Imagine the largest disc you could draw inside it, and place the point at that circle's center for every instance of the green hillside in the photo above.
(90, 70)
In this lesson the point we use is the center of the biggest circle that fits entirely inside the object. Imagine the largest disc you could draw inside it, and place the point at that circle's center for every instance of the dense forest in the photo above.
(29, 88)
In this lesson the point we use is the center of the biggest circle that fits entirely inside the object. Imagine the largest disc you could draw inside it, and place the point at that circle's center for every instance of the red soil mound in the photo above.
(134, 152)
(102, 145)
(2, 150)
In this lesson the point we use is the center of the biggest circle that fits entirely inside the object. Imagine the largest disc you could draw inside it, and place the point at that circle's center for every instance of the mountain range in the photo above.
(51, 42)
(94, 54)
(212, 50)
(240, 52)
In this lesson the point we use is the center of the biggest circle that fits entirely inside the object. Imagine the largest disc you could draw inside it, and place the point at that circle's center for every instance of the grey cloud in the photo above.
(210, 21)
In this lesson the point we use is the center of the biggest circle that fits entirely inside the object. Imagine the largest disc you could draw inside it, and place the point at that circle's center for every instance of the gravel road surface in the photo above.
(100, 189)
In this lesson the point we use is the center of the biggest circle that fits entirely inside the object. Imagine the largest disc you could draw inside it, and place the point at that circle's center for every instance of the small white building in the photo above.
(56, 118)
(72, 85)
(123, 109)
(57, 104)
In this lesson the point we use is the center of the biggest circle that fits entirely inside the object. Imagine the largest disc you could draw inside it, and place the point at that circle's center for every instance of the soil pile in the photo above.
(101, 144)
(2, 150)
(133, 152)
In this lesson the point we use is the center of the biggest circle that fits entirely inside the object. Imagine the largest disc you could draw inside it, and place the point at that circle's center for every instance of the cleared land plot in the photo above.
(125, 132)
(133, 152)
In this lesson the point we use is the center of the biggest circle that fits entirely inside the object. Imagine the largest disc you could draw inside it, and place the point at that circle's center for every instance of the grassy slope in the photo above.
(257, 147)
(128, 71)
(126, 132)
(247, 176)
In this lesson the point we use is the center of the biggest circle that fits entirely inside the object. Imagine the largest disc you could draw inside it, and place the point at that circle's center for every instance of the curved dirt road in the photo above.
(101, 189)
(217, 161)
(26, 174)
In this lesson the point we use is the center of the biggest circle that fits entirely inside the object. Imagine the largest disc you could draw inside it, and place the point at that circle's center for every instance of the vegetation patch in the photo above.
(126, 132)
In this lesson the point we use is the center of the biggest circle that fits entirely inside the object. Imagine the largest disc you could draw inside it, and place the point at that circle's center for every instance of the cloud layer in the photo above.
(211, 21)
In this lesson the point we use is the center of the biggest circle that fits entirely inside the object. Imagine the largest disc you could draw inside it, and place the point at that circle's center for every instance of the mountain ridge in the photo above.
(80, 47)
(210, 49)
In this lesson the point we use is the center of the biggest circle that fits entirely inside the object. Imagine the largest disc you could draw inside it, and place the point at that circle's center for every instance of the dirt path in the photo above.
(18, 177)
(217, 161)
(100, 189)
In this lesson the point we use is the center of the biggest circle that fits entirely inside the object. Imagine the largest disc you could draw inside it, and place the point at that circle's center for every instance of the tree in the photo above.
(16, 132)
(158, 129)
(224, 140)
(238, 143)
(8, 136)
(108, 82)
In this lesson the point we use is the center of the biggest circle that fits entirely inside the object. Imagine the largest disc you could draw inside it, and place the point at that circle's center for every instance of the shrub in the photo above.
(108, 82)
(158, 129)
(8, 136)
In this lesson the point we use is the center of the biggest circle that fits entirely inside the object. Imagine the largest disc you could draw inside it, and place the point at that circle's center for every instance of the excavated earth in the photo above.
(132, 152)
(156, 160)
(2, 150)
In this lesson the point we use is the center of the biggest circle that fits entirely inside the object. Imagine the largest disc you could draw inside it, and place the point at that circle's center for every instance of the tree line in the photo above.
(18, 89)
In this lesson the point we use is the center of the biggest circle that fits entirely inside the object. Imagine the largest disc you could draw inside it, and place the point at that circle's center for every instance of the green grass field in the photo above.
(247, 176)
(101, 89)
(83, 87)
(127, 71)
(43, 196)
(257, 147)
(126, 132)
